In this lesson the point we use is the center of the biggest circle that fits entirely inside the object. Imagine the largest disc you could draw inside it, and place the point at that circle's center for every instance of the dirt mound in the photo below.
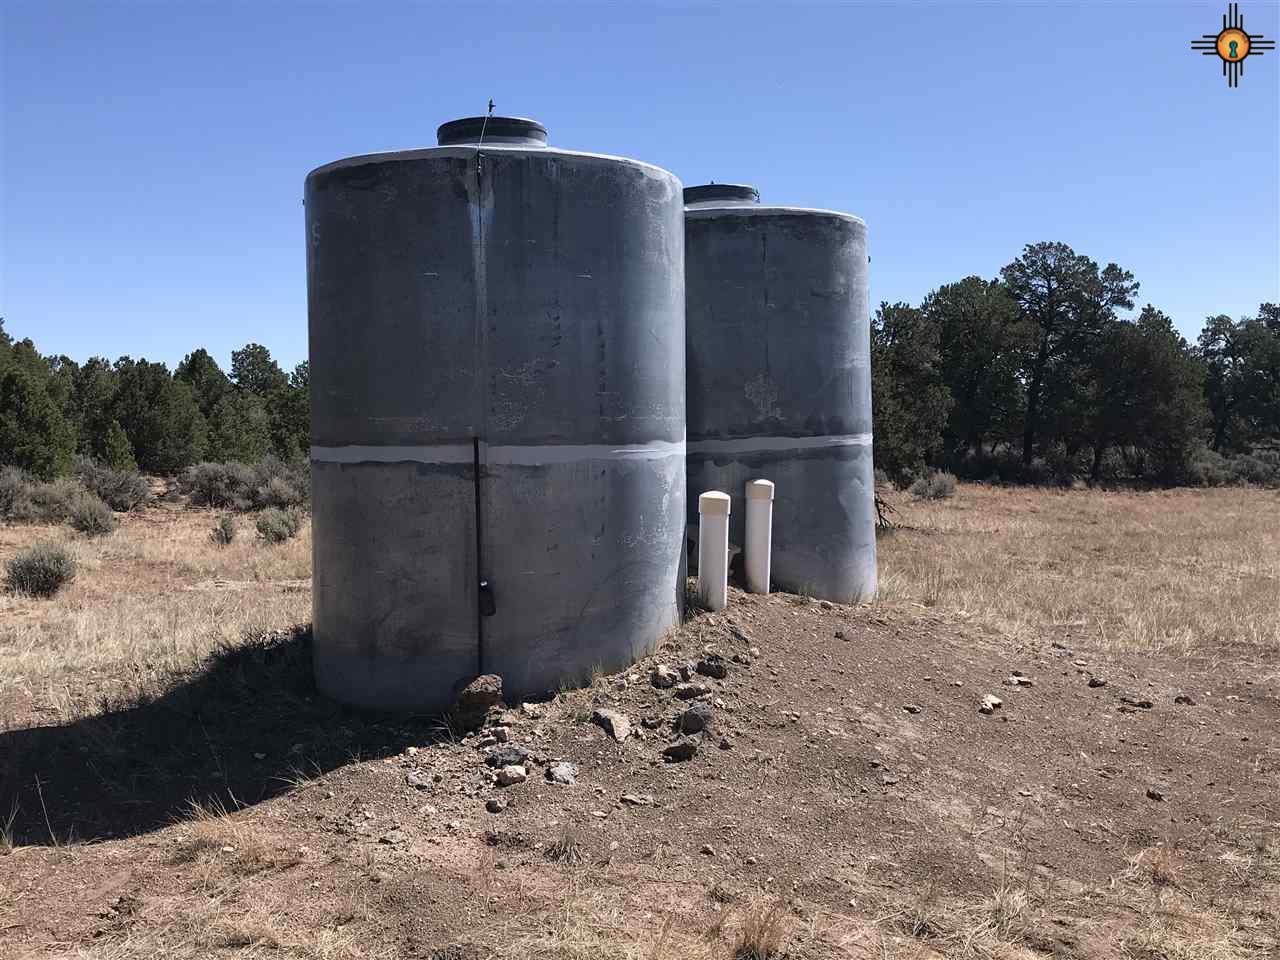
(822, 769)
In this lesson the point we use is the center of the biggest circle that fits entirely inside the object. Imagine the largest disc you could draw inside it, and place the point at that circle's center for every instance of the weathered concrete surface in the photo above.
(531, 299)
(779, 388)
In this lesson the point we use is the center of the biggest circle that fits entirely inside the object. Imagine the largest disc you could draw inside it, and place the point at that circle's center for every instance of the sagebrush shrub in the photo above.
(50, 502)
(40, 571)
(223, 485)
(121, 490)
(278, 492)
(935, 485)
(237, 486)
(15, 489)
(90, 516)
(224, 531)
(277, 526)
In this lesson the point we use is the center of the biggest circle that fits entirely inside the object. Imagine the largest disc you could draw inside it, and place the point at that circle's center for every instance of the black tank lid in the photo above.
(520, 130)
(707, 192)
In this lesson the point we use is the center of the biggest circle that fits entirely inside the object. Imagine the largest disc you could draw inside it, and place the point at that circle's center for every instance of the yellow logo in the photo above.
(1232, 45)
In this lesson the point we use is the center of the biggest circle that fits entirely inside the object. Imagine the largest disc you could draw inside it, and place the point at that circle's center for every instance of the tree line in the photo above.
(1037, 375)
(137, 415)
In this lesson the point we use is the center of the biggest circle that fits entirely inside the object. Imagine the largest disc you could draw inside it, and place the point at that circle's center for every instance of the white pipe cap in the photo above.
(714, 502)
(759, 489)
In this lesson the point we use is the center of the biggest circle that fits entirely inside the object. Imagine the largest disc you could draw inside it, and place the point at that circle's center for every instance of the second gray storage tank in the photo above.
(497, 387)
(779, 380)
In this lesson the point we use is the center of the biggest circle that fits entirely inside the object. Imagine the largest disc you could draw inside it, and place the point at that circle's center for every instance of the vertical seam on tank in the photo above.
(480, 269)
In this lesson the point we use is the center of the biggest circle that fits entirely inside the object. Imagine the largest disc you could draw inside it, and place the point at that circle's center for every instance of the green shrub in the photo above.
(122, 490)
(278, 492)
(224, 531)
(40, 571)
(277, 526)
(935, 485)
(45, 502)
(15, 490)
(90, 516)
(237, 486)
(281, 484)
(223, 485)
(1260, 468)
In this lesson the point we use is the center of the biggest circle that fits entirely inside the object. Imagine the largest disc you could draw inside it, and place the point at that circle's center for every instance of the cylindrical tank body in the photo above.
(779, 386)
(497, 411)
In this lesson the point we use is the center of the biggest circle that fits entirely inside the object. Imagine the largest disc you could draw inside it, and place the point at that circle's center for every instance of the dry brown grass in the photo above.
(155, 595)
(1179, 569)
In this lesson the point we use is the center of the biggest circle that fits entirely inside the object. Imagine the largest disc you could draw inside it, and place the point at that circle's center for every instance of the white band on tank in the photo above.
(512, 454)
(765, 444)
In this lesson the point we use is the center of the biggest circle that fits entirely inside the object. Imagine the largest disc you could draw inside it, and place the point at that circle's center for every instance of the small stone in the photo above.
(990, 704)
(686, 748)
(691, 691)
(696, 718)
(726, 743)
(840, 635)
(511, 754)
(651, 723)
(742, 658)
(512, 774)
(563, 773)
(496, 804)
(1096, 682)
(419, 779)
(487, 741)
(636, 800)
(411, 751)
(708, 850)
(1018, 680)
(888, 779)
(1183, 700)
(755, 653)
(1140, 704)
(751, 861)
(501, 734)
(614, 723)
(393, 837)
(686, 670)
(1155, 794)
(912, 708)
(663, 677)
(713, 666)
(533, 711)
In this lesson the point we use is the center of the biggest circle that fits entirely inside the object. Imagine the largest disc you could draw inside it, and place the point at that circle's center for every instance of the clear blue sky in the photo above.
(154, 152)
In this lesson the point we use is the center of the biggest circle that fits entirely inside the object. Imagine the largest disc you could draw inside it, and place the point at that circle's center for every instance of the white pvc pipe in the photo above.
(713, 549)
(759, 534)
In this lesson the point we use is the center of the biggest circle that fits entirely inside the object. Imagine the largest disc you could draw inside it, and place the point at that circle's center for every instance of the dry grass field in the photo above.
(1182, 570)
(170, 786)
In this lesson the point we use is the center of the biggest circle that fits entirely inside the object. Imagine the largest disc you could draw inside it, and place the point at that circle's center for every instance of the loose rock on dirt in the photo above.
(614, 723)
(686, 748)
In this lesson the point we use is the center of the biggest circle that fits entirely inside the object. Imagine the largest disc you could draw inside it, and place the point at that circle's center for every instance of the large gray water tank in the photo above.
(497, 414)
(778, 353)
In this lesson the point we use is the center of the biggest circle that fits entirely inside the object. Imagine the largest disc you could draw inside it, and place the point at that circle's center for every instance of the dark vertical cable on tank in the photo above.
(475, 462)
